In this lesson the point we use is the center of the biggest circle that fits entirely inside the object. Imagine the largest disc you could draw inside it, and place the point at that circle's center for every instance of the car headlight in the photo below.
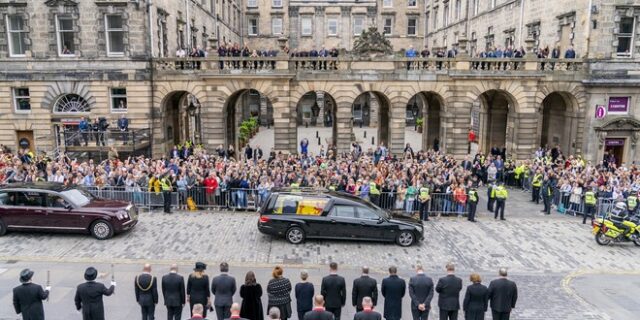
(121, 215)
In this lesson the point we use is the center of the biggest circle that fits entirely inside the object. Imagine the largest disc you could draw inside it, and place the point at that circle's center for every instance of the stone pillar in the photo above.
(344, 127)
(284, 126)
(264, 115)
(397, 128)
(529, 43)
(212, 124)
(158, 131)
(525, 137)
(455, 123)
(374, 109)
(320, 102)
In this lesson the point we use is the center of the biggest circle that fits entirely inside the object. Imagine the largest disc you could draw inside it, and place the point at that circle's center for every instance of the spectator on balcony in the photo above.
(313, 54)
(195, 53)
(255, 54)
(333, 53)
(235, 53)
(285, 50)
(452, 53)
(273, 53)
(222, 52)
(439, 54)
(555, 53)
(425, 54)
(411, 53)
(570, 53)
(245, 54)
(323, 53)
(83, 126)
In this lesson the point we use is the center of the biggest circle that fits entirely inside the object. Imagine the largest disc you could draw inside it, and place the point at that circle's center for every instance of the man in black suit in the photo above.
(448, 289)
(364, 286)
(173, 293)
(503, 294)
(27, 297)
(146, 288)
(367, 312)
(223, 287)
(334, 291)
(393, 290)
(89, 296)
(318, 312)
(421, 293)
(235, 313)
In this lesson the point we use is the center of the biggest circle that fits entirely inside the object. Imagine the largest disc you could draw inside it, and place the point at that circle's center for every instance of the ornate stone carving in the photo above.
(634, 138)
(373, 43)
(602, 136)
(53, 3)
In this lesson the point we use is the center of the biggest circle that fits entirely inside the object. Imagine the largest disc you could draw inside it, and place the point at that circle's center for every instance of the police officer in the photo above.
(27, 298)
(536, 183)
(165, 184)
(547, 194)
(589, 204)
(472, 204)
(424, 197)
(491, 197)
(374, 193)
(500, 193)
(632, 204)
(618, 216)
(89, 296)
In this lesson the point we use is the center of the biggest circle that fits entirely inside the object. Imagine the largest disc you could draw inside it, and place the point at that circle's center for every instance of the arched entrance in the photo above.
(423, 121)
(496, 127)
(315, 119)
(181, 121)
(248, 119)
(559, 122)
(370, 118)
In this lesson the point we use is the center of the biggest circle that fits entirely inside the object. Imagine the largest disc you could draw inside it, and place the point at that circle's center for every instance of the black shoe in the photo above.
(543, 211)
(503, 219)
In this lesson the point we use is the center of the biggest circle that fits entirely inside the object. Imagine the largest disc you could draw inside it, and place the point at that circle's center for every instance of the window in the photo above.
(277, 3)
(387, 3)
(366, 213)
(435, 18)
(118, 99)
(458, 9)
(276, 26)
(426, 23)
(21, 99)
(412, 26)
(445, 15)
(294, 204)
(26, 199)
(71, 103)
(343, 212)
(17, 34)
(412, 3)
(253, 26)
(332, 26)
(358, 25)
(252, 3)
(492, 4)
(306, 26)
(625, 37)
(387, 27)
(476, 4)
(115, 34)
(66, 36)
(56, 201)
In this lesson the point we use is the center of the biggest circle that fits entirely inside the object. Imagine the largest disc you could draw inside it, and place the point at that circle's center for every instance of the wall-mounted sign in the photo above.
(614, 142)
(618, 105)
(601, 111)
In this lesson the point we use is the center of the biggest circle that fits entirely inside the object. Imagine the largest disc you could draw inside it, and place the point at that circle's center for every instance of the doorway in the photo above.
(614, 148)
(24, 140)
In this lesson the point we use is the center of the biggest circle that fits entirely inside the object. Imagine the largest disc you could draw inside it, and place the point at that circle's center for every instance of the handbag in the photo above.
(561, 207)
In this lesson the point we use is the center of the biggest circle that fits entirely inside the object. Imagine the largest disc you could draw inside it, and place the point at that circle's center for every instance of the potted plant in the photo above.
(419, 123)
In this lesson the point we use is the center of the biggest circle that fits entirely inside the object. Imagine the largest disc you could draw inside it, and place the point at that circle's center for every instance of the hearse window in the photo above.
(288, 204)
(4, 199)
(27, 199)
(55, 201)
(343, 212)
(365, 213)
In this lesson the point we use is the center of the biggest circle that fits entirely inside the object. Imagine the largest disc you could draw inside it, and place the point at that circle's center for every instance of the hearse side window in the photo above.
(288, 204)
(343, 212)
(55, 201)
(4, 199)
(27, 199)
(366, 213)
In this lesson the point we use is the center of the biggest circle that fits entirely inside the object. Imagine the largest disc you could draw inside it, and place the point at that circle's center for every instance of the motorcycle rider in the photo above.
(618, 215)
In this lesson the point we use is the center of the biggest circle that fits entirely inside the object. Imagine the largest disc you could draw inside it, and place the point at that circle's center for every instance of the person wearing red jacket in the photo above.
(211, 184)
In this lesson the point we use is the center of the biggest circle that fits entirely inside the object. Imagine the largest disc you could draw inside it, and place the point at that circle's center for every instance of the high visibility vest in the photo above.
(373, 188)
(501, 192)
(424, 193)
(589, 198)
(332, 188)
(166, 186)
(295, 186)
(473, 196)
(537, 180)
(632, 201)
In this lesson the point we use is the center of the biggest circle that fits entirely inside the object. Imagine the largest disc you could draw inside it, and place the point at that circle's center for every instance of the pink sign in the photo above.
(601, 111)
(618, 105)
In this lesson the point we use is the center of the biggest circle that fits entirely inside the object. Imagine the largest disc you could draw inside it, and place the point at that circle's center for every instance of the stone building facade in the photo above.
(66, 59)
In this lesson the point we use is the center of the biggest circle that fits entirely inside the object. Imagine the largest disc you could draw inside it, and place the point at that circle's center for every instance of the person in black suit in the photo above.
(198, 288)
(318, 312)
(235, 312)
(305, 295)
(393, 290)
(173, 293)
(223, 287)
(89, 296)
(364, 286)
(503, 294)
(146, 288)
(475, 299)
(251, 294)
(367, 312)
(448, 289)
(334, 291)
(421, 293)
(27, 297)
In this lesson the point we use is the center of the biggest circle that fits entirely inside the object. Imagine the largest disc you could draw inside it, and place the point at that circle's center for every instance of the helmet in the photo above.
(621, 205)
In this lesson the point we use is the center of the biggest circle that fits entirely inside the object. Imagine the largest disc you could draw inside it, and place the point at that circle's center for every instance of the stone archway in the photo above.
(559, 124)
(497, 121)
(371, 109)
(181, 119)
(427, 106)
(316, 120)
(242, 106)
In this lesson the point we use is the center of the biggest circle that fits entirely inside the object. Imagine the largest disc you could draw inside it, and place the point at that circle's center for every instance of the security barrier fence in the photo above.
(251, 199)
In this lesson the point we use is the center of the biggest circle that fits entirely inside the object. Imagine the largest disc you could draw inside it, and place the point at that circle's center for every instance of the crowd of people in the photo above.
(219, 295)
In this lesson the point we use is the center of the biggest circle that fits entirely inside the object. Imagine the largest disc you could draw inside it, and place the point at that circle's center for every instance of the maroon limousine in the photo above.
(58, 208)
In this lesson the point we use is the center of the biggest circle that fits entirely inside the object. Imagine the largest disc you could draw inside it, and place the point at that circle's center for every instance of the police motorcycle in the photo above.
(606, 231)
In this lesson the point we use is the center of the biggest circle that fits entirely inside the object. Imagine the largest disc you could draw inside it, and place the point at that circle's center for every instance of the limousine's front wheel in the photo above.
(295, 235)
(101, 230)
(405, 238)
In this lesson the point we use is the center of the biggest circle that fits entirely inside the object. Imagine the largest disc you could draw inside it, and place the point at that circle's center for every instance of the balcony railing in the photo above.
(283, 64)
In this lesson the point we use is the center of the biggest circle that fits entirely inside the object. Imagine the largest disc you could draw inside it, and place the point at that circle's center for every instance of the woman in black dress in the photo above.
(198, 288)
(279, 291)
(251, 293)
(475, 300)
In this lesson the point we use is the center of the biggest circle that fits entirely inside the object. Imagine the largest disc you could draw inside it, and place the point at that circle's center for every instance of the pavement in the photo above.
(265, 139)
(552, 258)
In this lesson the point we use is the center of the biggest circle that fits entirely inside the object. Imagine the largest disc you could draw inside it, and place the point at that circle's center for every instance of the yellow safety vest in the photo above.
(295, 186)
(165, 184)
(632, 201)
(473, 196)
(424, 194)
(589, 198)
(501, 192)
(537, 180)
(332, 188)
(373, 188)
